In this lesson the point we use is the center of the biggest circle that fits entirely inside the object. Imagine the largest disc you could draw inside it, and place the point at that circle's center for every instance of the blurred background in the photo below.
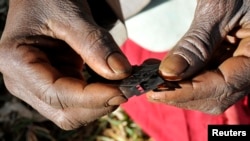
(161, 23)
(157, 27)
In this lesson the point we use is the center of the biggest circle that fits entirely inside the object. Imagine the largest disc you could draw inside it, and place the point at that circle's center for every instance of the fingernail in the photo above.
(173, 66)
(116, 100)
(118, 63)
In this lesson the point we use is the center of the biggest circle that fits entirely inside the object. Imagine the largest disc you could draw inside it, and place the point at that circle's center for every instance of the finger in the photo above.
(55, 89)
(69, 21)
(68, 92)
(83, 116)
(60, 55)
(243, 33)
(243, 48)
(203, 86)
(95, 45)
(212, 21)
(72, 118)
(220, 88)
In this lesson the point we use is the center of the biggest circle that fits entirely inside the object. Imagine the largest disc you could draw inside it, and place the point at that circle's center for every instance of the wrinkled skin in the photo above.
(212, 60)
(43, 48)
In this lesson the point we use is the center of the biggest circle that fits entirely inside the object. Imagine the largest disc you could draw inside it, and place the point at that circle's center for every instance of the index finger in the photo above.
(51, 86)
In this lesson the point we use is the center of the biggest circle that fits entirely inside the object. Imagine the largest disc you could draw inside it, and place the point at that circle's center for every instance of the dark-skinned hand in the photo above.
(212, 60)
(43, 49)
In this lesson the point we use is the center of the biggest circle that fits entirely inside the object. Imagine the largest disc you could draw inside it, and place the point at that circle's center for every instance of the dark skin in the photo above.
(43, 52)
(219, 34)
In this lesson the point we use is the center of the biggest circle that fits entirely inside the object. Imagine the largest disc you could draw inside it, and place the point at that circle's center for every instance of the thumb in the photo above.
(212, 21)
(95, 45)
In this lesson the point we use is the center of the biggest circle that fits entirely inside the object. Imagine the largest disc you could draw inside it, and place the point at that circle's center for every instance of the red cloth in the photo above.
(167, 123)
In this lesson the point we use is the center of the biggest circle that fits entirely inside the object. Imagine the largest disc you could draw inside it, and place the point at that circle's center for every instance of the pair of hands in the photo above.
(45, 44)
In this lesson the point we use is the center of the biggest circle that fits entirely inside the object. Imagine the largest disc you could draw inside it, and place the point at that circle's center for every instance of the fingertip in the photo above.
(173, 67)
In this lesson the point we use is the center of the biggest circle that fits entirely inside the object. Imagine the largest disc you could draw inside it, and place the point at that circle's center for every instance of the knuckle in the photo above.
(98, 38)
(197, 45)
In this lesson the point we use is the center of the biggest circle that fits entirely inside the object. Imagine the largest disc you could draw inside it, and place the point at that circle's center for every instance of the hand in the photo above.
(212, 60)
(43, 50)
